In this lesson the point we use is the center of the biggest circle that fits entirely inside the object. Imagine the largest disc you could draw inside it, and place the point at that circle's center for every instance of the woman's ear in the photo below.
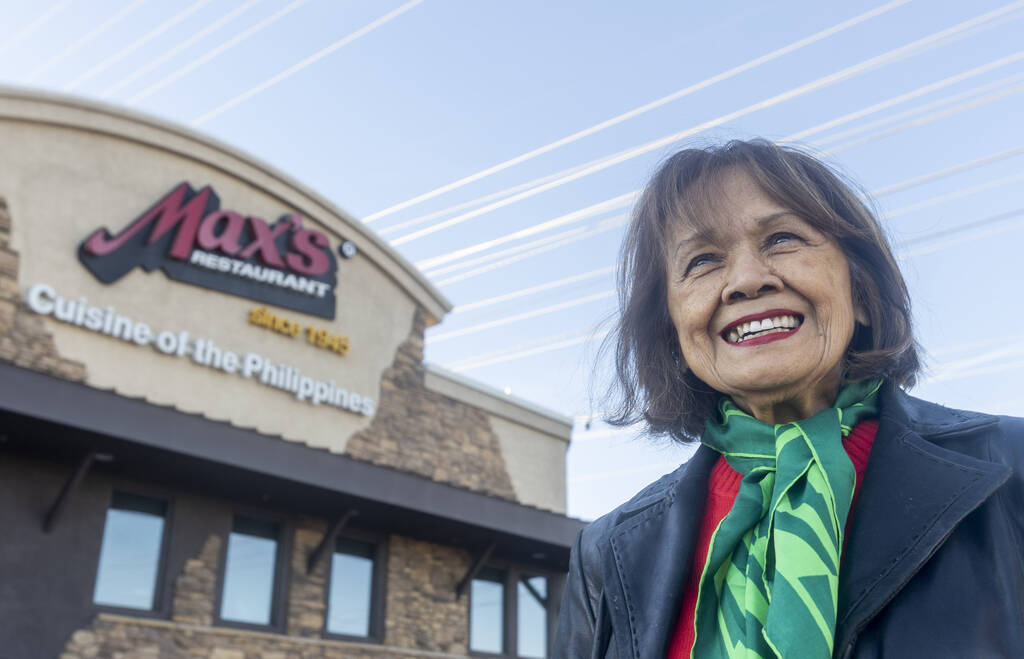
(860, 315)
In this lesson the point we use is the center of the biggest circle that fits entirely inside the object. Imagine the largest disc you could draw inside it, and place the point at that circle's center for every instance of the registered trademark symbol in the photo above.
(347, 249)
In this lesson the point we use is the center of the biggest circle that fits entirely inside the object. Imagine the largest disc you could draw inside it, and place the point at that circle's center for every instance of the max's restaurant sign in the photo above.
(193, 240)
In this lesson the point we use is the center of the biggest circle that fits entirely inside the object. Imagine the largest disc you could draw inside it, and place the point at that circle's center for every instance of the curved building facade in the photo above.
(219, 437)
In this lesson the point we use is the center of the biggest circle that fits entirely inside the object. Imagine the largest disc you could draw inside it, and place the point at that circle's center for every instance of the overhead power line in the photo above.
(187, 43)
(27, 31)
(215, 52)
(135, 45)
(533, 313)
(603, 226)
(84, 39)
(422, 219)
(501, 253)
(927, 119)
(877, 135)
(635, 112)
(800, 135)
(914, 48)
(956, 194)
(470, 364)
(568, 218)
(295, 68)
(539, 288)
(570, 339)
(944, 173)
(902, 98)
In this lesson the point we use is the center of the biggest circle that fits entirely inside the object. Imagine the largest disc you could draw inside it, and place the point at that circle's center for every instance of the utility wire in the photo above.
(135, 45)
(903, 185)
(187, 43)
(84, 39)
(422, 219)
(602, 227)
(572, 339)
(295, 68)
(902, 98)
(949, 171)
(878, 134)
(927, 119)
(214, 52)
(635, 112)
(956, 194)
(568, 218)
(35, 24)
(539, 288)
(908, 50)
(468, 365)
(801, 135)
(508, 251)
(533, 313)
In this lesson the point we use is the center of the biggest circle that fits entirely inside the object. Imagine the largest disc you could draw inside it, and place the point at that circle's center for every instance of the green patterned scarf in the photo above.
(770, 581)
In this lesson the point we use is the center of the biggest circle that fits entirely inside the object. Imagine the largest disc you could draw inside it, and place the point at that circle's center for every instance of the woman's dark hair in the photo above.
(653, 383)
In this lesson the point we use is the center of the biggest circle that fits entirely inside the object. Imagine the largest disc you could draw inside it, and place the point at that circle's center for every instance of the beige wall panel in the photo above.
(535, 463)
(63, 183)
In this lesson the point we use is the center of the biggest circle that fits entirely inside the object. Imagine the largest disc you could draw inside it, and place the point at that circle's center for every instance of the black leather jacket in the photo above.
(933, 564)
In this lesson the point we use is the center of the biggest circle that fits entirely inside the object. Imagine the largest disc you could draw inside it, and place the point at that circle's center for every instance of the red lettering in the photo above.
(169, 212)
(230, 224)
(311, 259)
(263, 241)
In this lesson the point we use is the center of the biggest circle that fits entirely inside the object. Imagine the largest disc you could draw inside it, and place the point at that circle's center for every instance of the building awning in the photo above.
(55, 417)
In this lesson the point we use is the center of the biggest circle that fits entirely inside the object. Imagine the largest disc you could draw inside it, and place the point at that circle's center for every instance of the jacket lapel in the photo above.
(915, 492)
(652, 549)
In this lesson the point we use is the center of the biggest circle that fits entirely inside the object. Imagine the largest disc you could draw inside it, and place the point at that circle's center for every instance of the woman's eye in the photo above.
(781, 238)
(698, 261)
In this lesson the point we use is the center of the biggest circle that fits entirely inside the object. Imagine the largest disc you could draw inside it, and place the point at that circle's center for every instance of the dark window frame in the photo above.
(513, 572)
(161, 609)
(378, 587)
(282, 573)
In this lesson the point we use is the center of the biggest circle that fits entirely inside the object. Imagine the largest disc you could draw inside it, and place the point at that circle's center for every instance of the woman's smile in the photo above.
(761, 302)
(760, 328)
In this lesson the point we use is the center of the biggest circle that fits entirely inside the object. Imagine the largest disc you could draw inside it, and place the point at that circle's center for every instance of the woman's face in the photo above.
(762, 305)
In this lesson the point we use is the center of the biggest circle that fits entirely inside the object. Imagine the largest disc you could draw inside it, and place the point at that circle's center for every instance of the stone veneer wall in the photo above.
(422, 616)
(23, 336)
(427, 433)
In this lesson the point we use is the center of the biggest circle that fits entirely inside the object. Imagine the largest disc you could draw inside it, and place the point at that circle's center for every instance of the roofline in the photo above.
(51, 399)
(39, 107)
(491, 400)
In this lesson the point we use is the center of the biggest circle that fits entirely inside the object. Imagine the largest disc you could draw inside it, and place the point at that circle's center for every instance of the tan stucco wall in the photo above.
(62, 183)
(535, 463)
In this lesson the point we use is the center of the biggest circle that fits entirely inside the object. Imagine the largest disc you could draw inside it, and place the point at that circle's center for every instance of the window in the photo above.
(510, 614)
(532, 617)
(133, 537)
(353, 592)
(250, 572)
(487, 612)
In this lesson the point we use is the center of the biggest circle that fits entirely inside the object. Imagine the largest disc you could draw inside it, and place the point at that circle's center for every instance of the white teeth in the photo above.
(744, 331)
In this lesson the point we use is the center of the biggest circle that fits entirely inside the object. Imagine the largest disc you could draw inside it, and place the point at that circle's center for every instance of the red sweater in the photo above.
(723, 485)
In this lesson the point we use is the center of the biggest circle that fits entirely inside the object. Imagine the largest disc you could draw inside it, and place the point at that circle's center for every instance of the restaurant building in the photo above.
(218, 437)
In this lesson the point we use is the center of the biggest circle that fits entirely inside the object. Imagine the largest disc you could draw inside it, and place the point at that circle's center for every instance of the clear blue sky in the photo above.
(445, 89)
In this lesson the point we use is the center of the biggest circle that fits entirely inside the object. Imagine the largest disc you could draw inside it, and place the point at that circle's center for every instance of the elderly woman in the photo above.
(826, 512)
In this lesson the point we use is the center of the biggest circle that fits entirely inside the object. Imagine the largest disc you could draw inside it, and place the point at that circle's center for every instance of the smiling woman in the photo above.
(763, 314)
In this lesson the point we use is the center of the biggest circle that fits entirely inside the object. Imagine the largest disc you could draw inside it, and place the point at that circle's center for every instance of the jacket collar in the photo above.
(915, 492)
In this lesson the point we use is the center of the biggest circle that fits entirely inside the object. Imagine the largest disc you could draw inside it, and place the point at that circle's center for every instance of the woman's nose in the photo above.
(749, 276)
